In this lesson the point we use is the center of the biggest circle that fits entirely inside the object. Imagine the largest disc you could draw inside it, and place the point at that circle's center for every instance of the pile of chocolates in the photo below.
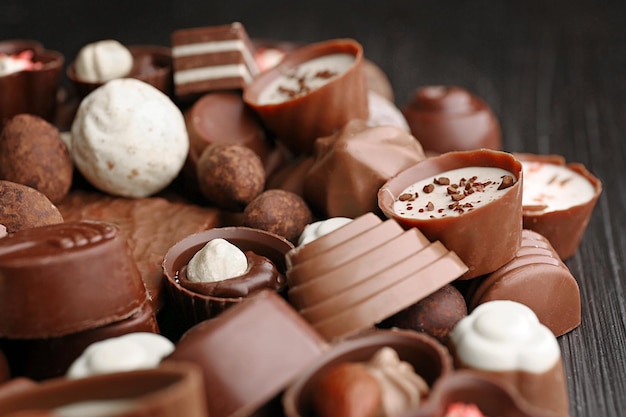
(234, 227)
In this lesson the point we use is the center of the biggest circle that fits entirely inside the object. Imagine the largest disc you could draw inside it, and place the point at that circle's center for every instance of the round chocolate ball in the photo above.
(230, 176)
(23, 207)
(32, 153)
(434, 315)
(280, 212)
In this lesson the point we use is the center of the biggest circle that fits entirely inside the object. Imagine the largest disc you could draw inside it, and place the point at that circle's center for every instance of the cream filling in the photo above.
(212, 73)
(203, 48)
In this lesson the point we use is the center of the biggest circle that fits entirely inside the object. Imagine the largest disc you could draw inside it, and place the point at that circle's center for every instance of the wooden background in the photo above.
(553, 71)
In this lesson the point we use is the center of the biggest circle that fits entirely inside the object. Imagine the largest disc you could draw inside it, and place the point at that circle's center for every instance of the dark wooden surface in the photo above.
(553, 71)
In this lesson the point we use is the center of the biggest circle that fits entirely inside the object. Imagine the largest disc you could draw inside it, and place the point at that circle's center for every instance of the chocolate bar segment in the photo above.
(212, 58)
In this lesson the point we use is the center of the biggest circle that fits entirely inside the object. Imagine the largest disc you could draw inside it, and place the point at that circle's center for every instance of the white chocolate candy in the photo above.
(417, 203)
(384, 113)
(312, 74)
(551, 187)
(216, 261)
(102, 61)
(123, 353)
(320, 228)
(129, 139)
(505, 336)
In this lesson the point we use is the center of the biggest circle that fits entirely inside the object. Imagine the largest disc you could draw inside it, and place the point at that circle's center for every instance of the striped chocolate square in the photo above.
(212, 58)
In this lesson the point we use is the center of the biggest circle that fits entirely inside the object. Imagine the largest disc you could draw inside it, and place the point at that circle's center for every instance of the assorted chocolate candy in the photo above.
(254, 228)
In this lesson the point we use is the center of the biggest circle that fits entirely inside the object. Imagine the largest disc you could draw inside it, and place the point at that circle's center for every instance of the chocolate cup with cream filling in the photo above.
(486, 237)
(65, 278)
(428, 357)
(45, 358)
(30, 91)
(297, 121)
(173, 389)
(151, 64)
(192, 307)
(490, 396)
(249, 354)
(563, 228)
(450, 118)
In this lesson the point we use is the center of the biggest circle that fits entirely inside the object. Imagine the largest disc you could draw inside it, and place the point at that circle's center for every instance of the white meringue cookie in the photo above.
(103, 61)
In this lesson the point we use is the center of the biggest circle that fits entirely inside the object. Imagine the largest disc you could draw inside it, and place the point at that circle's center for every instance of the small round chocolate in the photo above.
(32, 153)
(230, 176)
(435, 315)
(23, 207)
(278, 211)
(450, 118)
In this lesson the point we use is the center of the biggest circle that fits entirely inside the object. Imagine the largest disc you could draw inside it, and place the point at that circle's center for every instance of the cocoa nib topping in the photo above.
(507, 181)
(303, 81)
(408, 197)
(428, 188)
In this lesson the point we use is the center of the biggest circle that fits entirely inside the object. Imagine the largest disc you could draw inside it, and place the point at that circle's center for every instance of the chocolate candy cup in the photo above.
(193, 307)
(537, 278)
(486, 237)
(563, 228)
(448, 118)
(250, 353)
(64, 278)
(151, 64)
(170, 390)
(32, 91)
(428, 357)
(297, 122)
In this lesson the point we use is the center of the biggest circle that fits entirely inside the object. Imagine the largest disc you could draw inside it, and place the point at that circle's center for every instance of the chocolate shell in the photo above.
(486, 237)
(315, 112)
(249, 354)
(65, 278)
(353, 163)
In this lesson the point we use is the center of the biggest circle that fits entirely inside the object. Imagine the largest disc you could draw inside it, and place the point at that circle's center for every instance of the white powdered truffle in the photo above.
(102, 61)
(216, 261)
(129, 139)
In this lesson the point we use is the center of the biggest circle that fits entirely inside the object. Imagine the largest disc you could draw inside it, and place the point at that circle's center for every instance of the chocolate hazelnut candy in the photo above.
(485, 234)
(537, 278)
(23, 207)
(450, 118)
(32, 153)
(314, 91)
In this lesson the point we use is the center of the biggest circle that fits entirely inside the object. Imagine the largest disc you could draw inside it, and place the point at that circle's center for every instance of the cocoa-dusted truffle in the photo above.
(230, 176)
(450, 118)
(435, 315)
(32, 153)
(278, 211)
(23, 207)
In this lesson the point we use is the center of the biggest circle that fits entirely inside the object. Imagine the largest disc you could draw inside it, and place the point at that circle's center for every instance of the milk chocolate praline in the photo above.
(450, 118)
(486, 237)
(32, 153)
(298, 121)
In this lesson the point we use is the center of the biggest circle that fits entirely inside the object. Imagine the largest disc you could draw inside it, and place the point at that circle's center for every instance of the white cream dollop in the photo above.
(102, 61)
(216, 261)
(129, 139)
(140, 350)
(318, 229)
(505, 335)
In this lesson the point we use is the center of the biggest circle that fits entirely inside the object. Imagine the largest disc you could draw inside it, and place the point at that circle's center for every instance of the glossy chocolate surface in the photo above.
(450, 118)
(485, 238)
(65, 278)
(352, 164)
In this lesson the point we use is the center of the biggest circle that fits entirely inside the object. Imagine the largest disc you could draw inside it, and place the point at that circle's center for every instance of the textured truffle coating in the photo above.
(23, 207)
(32, 153)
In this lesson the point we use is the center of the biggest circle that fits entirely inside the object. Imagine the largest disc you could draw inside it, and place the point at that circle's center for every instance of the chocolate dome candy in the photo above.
(352, 164)
(449, 118)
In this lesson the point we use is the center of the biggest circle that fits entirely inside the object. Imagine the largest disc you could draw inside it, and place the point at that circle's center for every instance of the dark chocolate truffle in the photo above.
(32, 153)
(280, 212)
(230, 176)
(23, 207)
(449, 118)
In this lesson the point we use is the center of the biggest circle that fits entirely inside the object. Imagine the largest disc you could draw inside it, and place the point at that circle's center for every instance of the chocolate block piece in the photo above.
(249, 353)
(212, 58)
(65, 278)
(170, 390)
(558, 200)
(537, 278)
(479, 219)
